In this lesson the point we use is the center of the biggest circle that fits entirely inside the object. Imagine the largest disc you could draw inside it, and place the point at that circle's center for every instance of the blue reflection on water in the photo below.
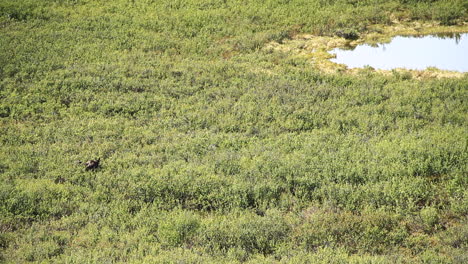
(443, 51)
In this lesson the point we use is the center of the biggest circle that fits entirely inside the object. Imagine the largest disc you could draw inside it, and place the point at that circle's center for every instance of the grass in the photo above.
(216, 149)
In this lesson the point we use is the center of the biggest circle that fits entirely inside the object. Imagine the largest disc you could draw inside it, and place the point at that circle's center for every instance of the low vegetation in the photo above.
(216, 149)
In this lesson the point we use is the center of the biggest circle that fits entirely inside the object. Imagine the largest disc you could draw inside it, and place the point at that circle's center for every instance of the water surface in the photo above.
(443, 51)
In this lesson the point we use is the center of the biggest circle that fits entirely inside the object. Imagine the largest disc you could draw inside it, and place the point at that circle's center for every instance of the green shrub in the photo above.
(177, 228)
(244, 235)
(36, 200)
(430, 217)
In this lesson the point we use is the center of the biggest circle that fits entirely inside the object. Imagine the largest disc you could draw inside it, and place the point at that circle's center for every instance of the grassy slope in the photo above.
(214, 150)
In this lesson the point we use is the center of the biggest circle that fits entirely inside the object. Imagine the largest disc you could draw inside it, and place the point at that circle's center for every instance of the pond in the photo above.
(443, 51)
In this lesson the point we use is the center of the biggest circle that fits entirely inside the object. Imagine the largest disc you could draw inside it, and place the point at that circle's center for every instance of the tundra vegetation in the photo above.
(215, 149)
